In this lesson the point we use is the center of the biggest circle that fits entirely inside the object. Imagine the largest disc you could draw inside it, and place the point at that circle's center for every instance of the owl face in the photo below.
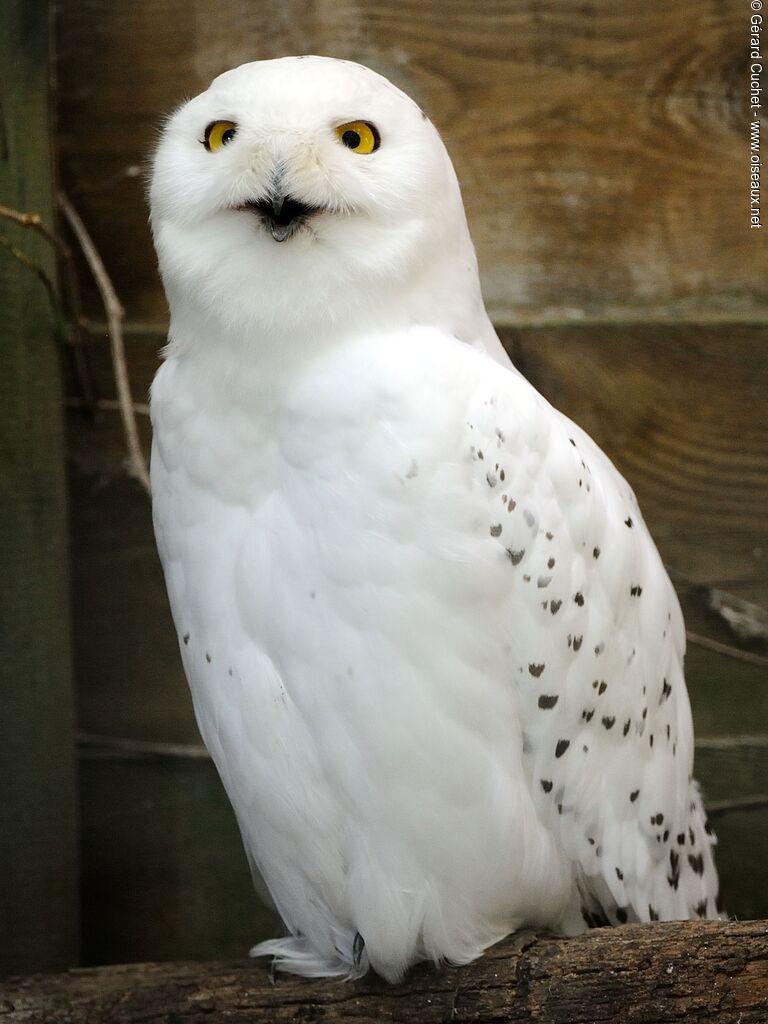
(293, 186)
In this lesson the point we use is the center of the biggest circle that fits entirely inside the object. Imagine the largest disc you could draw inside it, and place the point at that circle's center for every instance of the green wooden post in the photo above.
(38, 849)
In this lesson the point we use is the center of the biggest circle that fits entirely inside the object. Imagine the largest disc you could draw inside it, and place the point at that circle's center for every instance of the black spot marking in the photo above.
(496, 530)
(185, 638)
(208, 657)
(548, 535)
(665, 837)
(480, 454)
(621, 915)
(562, 746)
(577, 642)
(502, 476)
(681, 839)
(608, 721)
(512, 505)
(627, 724)
(697, 863)
(579, 599)
(551, 563)
(701, 908)
(602, 687)
(595, 552)
(707, 828)
(634, 795)
(572, 441)
(515, 557)
(635, 591)
(599, 649)
(546, 785)
(620, 874)
(653, 914)
(536, 670)
(587, 715)
(526, 578)
(229, 671)
(650, 740)
(554, 606)
(657, 819)
(547, 702)
(666, 689)
(627, 521)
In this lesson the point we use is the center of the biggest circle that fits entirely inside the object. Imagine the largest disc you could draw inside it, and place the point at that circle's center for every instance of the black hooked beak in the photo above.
(281, 214)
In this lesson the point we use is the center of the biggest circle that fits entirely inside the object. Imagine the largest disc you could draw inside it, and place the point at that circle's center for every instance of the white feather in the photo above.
(406, 588)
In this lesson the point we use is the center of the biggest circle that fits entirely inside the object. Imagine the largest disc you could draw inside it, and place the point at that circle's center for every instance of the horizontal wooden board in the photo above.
(601, 147)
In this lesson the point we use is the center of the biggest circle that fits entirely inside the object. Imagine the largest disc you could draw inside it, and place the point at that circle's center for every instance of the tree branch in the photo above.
(115, 314)
(704, 971)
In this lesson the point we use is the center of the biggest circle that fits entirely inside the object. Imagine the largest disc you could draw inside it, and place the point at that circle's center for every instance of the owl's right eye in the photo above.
(218, 134)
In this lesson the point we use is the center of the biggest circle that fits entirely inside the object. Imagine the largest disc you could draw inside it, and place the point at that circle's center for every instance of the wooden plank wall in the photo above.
(602, 152)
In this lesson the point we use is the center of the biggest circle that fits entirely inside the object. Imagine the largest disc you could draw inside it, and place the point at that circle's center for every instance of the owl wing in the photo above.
(596, 641)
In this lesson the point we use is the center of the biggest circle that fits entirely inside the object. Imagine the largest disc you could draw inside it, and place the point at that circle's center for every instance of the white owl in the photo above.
(431, 645)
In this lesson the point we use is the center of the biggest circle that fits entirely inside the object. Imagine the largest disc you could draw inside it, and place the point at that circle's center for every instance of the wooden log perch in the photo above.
(680, 971)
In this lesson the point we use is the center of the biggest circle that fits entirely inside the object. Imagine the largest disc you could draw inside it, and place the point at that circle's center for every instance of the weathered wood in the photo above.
(705, 972)
(38, 870)
(601, 146)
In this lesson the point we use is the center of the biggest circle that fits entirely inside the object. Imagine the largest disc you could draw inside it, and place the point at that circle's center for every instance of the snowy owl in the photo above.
(431, 645)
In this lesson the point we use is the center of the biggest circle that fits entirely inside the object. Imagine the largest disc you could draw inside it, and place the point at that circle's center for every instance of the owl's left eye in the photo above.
(359, 136)
(218, 134)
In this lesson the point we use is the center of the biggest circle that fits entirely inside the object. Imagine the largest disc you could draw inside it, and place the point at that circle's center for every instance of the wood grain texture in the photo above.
(601, 147)
(682, 411)
(707, 972)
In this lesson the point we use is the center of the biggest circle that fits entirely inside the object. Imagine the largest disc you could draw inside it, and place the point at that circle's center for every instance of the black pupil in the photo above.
(227, 136)
(351, 138)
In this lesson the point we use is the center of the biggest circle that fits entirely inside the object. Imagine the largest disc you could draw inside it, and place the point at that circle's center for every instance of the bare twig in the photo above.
(745, 803)
(109, 404)
(731, 652)
(737, 742)
(115, 314)
(35, 268)
(122, 748)
(35, 223)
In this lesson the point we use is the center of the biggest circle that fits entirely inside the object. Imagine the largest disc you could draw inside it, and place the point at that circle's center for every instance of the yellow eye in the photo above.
(359, 136)
(218, 134)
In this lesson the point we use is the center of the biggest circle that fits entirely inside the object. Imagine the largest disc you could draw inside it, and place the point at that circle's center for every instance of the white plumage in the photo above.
(430, 642)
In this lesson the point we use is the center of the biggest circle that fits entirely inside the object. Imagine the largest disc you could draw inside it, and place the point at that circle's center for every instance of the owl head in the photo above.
(304, 187)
